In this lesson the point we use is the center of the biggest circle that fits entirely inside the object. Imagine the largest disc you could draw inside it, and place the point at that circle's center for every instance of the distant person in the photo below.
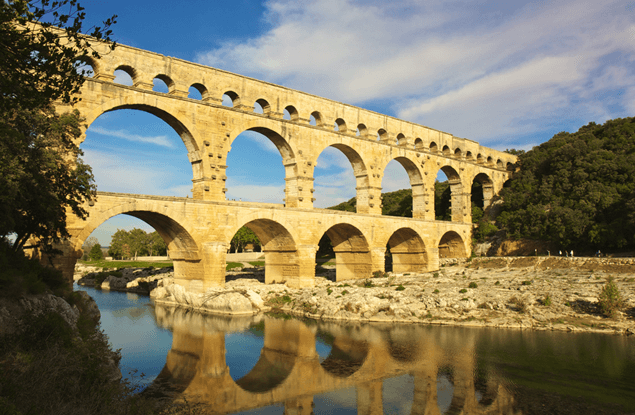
(560, 253)
(572, 253)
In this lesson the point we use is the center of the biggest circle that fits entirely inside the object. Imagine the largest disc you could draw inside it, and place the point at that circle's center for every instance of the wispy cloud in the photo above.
(488, 71)
(160, 140)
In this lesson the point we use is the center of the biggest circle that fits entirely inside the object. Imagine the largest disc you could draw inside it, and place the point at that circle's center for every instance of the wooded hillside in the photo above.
(576, 190)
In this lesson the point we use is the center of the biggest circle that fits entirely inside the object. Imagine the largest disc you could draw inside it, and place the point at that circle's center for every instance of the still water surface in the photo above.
(264, 365)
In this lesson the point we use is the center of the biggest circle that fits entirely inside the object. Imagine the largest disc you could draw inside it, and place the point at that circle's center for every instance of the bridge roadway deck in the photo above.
(199, 232)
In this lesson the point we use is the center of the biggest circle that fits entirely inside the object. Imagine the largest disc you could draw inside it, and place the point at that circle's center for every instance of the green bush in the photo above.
(462, 290)
(400, 288)
(610, 300)
(95, 253)
(547, 301)
(473, 285)
(436, 291)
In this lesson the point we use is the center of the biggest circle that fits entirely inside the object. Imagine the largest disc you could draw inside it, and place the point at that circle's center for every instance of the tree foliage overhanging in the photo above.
(576, 190)
(41, 175)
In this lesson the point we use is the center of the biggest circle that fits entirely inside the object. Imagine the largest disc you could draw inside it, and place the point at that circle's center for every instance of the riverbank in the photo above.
(540, 293)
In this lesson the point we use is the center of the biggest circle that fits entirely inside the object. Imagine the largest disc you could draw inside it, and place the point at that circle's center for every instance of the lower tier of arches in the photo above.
(199, 233)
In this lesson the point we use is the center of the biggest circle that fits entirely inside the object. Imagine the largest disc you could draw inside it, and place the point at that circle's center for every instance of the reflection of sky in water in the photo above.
(128, 320)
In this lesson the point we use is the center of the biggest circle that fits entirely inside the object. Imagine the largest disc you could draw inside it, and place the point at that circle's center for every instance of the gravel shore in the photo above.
(540, 293)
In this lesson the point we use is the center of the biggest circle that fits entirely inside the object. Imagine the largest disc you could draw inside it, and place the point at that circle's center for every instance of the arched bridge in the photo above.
(301, 126)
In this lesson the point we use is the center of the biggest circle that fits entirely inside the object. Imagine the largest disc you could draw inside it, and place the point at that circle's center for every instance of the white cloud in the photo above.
(482, 70)
(160, 140)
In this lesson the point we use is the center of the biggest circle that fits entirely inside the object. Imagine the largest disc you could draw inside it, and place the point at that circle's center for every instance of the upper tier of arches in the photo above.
(275, 101)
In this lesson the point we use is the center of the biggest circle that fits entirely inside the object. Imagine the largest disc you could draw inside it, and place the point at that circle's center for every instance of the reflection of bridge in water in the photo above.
(289, 371)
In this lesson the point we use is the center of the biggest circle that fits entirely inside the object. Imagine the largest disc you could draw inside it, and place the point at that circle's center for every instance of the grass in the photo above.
(257, 263)
(232, 265)
(102, 263)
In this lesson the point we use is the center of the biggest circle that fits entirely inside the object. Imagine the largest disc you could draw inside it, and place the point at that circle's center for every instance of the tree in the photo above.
(157, 245)
(41, 172)
(88, 244)
(243, 237)
(95, 253)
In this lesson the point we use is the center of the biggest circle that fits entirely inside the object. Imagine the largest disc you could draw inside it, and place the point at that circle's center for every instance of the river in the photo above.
(269, 364)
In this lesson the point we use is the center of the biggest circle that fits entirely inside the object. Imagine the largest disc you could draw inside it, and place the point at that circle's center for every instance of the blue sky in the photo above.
(508, 74)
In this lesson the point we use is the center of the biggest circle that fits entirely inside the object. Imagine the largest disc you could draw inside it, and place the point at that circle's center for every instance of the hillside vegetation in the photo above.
(576, 190)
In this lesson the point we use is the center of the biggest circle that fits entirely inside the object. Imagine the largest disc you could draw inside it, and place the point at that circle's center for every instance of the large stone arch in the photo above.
(278, 134)
(278, 246)
(360, 170)
(408, 251)
(488, 188)
(182, 247)
(162, 110)
(459, 199)
(451, 245)
(416, 183)
(352, 252)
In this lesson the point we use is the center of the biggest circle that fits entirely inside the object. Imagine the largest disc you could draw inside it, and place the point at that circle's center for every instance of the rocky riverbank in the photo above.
(543, 293)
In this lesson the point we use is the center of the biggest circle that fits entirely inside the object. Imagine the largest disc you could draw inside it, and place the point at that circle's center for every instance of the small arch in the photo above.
(197, 91)
(446, 151)
(362, 131)
(340, 125)
(290, 113)
(510, 166)
(451, 246)
(382, 134)
(490, 161)
(458, 153)
(352, 253)
(418, 144)
(125, 75)
(86, 66)
(401, 139)
(408, 251)
(231, 99)
(279, 248)
(261, 106)
(434, 147)
(469, 155)
(316, 119)
(480, 159)
(162, 83)
(499, 163)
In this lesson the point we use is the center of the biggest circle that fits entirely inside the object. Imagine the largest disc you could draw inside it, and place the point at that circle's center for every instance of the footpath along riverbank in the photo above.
(540, 293)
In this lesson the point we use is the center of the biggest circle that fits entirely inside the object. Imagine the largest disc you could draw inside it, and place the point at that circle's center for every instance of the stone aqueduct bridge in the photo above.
(199, 231)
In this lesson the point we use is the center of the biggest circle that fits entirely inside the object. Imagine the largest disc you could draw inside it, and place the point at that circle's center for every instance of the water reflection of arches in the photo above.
(346, 357)
(289, 371)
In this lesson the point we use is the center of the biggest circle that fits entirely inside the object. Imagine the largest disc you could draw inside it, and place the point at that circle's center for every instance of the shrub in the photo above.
(368, 283)
(473, 285)
(610, 299)
(526, 282)
(436, 291)
(462, 290)
(547, 301)
(400, 288)
(497, 283)
(379, 274)
(521, 305)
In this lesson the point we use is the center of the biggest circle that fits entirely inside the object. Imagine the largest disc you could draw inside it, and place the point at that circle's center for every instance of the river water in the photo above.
(269, 364)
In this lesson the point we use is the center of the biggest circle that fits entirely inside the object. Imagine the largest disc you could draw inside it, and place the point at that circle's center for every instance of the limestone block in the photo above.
(231, 302)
